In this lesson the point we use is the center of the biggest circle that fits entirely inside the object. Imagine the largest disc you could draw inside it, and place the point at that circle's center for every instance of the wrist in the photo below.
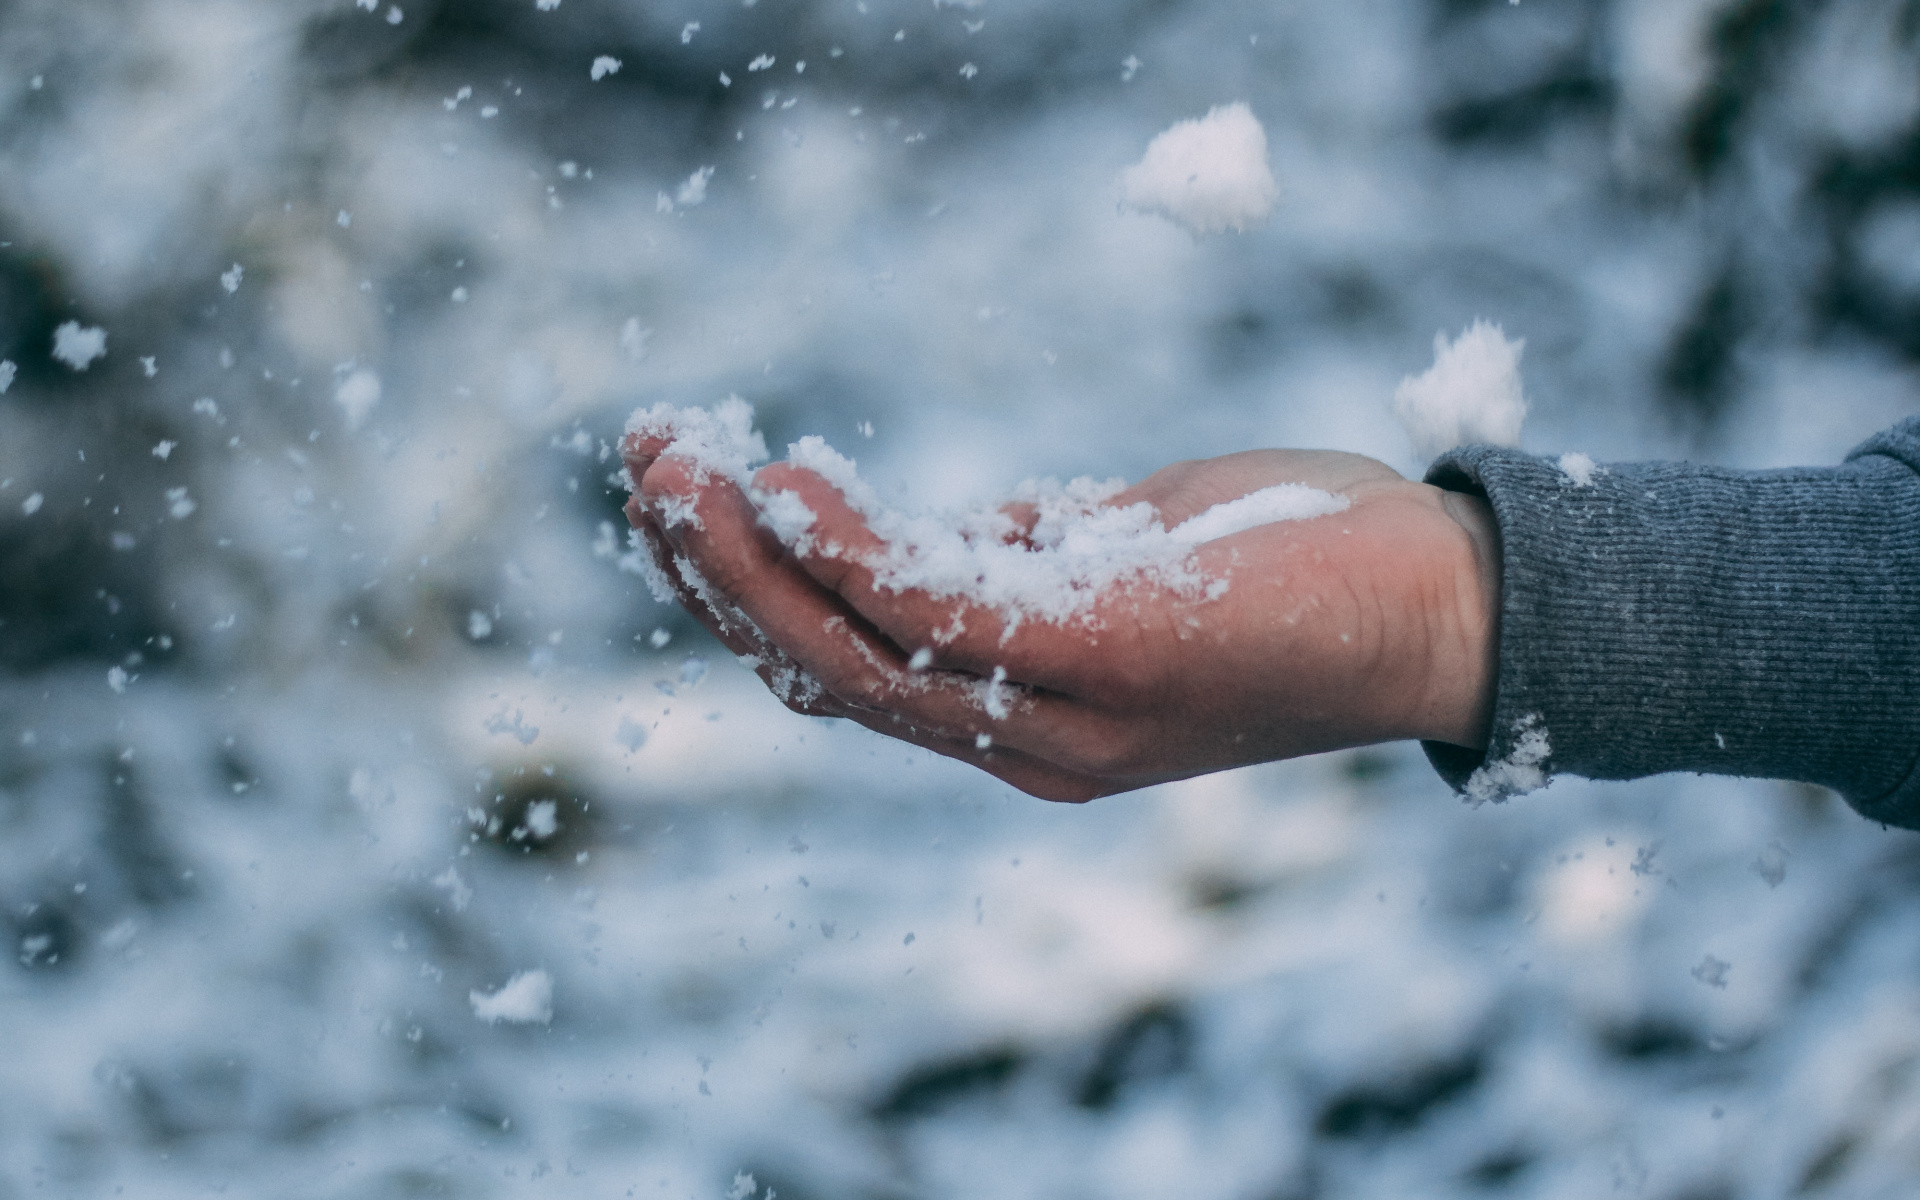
(1465, 661)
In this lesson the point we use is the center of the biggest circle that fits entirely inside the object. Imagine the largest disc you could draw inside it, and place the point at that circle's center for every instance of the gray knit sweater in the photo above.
(1674, 617)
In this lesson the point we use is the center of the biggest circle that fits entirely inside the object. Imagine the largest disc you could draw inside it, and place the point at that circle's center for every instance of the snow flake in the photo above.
(78, 346)
(230, 278)
(8, 369)
(603, 66)
(525, 999)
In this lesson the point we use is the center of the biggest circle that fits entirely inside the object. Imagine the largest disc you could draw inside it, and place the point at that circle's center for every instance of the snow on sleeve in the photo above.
(1579, 468)
(526, 999)
(1470, 395)
(77, 345)
(1523, 770)
(1209, 174)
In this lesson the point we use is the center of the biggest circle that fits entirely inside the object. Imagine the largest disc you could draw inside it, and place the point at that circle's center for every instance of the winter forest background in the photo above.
(324, 709)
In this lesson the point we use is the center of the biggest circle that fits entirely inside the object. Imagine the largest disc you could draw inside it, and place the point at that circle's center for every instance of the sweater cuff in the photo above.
(1663, 617)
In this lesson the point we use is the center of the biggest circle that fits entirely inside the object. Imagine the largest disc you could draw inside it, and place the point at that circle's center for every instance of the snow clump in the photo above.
(604, 66)
(77, 345)
(1078, 549)
(1209, 174)
(1523, 770)
(7, 371)
(1470, 395)
(357, 394)
(526, 999)
(1578, 468)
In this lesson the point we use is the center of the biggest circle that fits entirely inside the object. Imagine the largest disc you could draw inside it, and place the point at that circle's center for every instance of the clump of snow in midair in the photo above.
(458, 893)
(163, 448)
(117, 679)
(1578, 468)
(1209, 174)
(1712, 972)
(77, 345)
(1523, 770)
(479, 624)
(694, 190)
(1470, 395)
(8, 369)
(1079, 549)
(31, 504)
(526, 999)
(604, 66)
(230, 278)
(543, 819)
(357, 394)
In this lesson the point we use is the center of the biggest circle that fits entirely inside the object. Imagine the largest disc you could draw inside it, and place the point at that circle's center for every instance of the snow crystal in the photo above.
(1470, 395)
(117, 679)
(1079, 548)
(604, 66)
(1712, 972)
(518, 727)
(543, 819)
(179, 504)
(694, 190)
(761, 63)
(458, 893)
(163, 448)
(31, 504)
(479, 625)
(687, 31)
(693, 670)
(7, 371)
(1523, 769)
(659, 638)
(744, 1186)
(546, 5)
(633, 339)
(1209, 174)
(526, 999)
(357, 394)
(149, 366)
(77, 345)
(1578, 468)
(230, 278)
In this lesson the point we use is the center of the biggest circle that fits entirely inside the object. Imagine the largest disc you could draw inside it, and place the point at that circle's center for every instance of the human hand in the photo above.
(1371, 624)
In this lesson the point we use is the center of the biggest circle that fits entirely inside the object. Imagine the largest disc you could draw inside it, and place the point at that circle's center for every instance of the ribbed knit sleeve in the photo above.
(1672, 617)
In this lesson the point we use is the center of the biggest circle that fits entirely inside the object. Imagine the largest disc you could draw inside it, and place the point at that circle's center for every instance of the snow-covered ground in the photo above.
(365, 832)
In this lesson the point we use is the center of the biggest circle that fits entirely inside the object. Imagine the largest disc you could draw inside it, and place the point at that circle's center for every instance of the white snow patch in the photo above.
(1470, 395)
(694, 190)
(1523, 769)
(1080, 548)
(1209, 174)
(603, 66)
(77, 345)
(1579, 468)
(526, 999)
(458, 893)
(357, 394)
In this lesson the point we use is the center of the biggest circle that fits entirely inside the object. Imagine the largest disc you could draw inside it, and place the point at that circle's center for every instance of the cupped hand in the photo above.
(1371, 624)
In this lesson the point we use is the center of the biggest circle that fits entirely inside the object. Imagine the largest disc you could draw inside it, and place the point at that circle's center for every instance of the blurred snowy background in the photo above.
(323, 708)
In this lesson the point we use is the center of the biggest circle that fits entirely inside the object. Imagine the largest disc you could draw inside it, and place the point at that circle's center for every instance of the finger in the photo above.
(715, 527)
(1036, 777)
(960, 633)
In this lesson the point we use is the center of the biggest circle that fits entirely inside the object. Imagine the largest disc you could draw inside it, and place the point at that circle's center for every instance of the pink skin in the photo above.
(1369, 625)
